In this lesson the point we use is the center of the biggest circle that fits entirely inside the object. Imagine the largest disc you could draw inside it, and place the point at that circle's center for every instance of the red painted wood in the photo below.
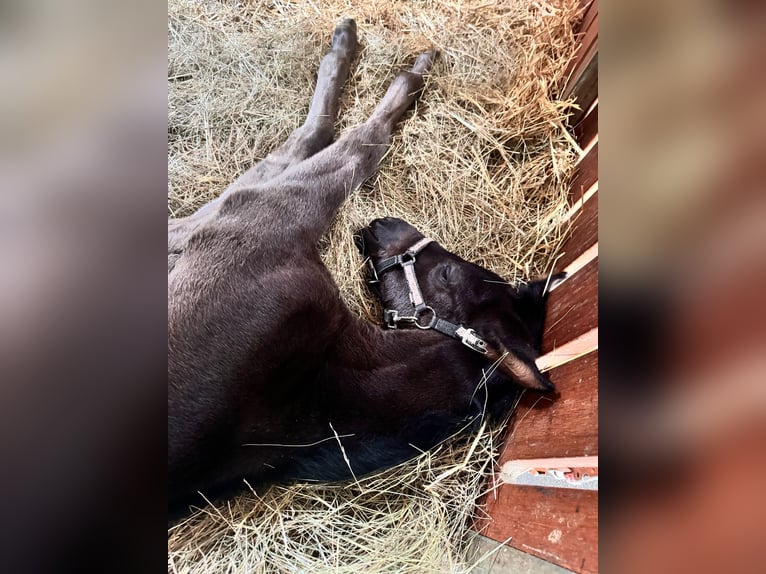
(559, 525)
(572, 307)
(582, 73)
(582, 234)
(586, 174)
(587, 129)
(587, 49)
(562, 425)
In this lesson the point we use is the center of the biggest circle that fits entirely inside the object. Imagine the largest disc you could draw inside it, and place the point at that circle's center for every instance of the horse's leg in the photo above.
(318, 186)
(315, 134)
(317, 131)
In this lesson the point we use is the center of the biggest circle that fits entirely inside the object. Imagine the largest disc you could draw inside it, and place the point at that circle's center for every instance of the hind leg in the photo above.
(317, 131)
(340, 168)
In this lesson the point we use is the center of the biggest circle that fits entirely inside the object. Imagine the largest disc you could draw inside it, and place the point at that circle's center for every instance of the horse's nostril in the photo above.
(385, 225)
(377, 222)
(366, 241)
(359, 241)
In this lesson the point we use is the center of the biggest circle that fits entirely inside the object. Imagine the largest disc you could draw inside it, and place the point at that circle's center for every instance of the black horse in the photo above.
(270, 374)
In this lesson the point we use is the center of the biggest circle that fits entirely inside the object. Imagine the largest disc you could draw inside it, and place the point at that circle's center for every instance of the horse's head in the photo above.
(508, 319)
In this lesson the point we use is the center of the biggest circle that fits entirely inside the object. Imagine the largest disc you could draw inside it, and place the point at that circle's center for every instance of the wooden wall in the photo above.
(560, 523)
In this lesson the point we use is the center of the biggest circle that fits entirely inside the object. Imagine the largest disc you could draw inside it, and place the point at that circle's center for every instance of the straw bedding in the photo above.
(481, 165)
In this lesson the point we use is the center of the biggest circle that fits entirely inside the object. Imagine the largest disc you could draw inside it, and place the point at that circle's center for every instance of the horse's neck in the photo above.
(369, 354)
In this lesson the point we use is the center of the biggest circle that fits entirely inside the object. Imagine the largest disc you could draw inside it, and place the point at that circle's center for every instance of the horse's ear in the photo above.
(541, 287)
(521, 369)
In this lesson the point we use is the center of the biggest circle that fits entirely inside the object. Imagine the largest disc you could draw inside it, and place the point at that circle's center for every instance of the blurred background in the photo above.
(82, 304)
(682, 276)
(683, 272)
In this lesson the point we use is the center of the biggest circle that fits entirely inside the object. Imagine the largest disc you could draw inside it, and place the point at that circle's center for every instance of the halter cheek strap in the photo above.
(423, 316)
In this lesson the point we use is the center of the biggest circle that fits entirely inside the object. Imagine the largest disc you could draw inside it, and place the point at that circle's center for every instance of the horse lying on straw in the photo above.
(271, 377)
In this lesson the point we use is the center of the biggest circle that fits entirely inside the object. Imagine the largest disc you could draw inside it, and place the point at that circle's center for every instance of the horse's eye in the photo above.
(446, 272)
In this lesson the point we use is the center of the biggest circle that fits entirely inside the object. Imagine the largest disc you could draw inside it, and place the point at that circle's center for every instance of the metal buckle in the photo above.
(373, 272)
(392, 318)
(420, 312)
(471, 340)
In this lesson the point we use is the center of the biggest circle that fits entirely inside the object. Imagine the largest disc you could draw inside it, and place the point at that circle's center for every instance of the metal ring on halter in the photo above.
(418, 314)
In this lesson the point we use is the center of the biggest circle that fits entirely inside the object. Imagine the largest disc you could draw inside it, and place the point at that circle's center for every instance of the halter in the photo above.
(421, 310)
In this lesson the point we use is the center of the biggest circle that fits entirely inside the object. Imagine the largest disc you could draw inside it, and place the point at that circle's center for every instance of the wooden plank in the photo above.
(561, 462)
(582, 234)
(584, 86)
(565, 425)
(585, 175)
(586, 129)
(559, 525)
(590, 14)
(569, 351)
(577, 472)
(572, 308)
(582, 73)
(585, 52)
(582, 260)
